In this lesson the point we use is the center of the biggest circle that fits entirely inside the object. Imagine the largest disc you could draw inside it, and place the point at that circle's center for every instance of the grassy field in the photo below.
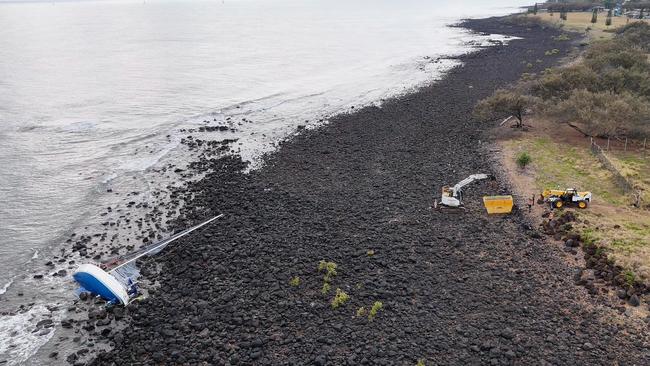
(580, 21)
(636, 168)
(610, 221)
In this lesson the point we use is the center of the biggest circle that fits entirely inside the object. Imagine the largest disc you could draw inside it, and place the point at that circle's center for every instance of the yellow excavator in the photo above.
(558, 198)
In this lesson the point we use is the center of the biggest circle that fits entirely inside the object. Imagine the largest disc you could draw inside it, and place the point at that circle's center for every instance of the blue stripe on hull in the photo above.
(93, 285)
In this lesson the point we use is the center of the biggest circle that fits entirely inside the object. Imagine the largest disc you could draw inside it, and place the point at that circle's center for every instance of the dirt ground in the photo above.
(580, 21)
(561, 159)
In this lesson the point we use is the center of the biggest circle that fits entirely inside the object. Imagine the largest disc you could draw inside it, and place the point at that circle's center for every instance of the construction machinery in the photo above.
(558, 198)
(453, 196)
(498, 204)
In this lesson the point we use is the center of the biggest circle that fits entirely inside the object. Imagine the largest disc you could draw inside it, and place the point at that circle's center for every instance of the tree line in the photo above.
(607, 94)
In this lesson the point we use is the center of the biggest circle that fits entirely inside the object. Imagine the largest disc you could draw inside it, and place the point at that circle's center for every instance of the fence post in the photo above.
(626, 144)
(644, 141)
(607, 143)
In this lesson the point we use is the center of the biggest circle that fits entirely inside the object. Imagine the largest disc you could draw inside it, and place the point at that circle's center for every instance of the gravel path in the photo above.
(456, 288)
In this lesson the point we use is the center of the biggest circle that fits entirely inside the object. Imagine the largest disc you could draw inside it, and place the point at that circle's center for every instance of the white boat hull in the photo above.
(97, 281)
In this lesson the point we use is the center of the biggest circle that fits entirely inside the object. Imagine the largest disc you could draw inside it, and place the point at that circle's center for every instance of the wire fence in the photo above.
(624, 144)
(621, 180)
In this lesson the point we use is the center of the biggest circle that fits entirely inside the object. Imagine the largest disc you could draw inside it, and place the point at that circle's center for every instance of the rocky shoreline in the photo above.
(454, 289)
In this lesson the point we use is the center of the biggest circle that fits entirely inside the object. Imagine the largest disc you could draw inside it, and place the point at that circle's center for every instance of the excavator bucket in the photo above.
(498, 204)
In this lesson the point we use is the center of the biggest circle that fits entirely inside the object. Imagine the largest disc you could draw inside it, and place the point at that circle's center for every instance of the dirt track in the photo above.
(456, 289)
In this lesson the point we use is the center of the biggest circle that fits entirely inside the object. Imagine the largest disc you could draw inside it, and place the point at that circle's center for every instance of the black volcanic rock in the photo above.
(456, 289)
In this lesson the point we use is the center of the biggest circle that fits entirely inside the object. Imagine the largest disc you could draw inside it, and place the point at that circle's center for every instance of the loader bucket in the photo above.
(498, 204)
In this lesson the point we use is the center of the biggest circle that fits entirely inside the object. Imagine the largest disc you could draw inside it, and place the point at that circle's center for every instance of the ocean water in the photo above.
(93, 95)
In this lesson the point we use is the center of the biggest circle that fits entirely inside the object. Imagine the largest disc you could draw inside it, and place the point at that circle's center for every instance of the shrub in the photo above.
(605, 113)
(629, 277)
(559, 83)
(329, 268)
(562, 37)
(339, 299)
(325, 289)
(370, 252)
(636, 34)
(523, 159)
(525, 21)
(361, 312)
(295, 282)
(420, 362)
(375, 309)
(614, 53)
(504, 103)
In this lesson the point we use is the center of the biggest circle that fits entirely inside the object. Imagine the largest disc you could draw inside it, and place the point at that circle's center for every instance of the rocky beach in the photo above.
(453, 288)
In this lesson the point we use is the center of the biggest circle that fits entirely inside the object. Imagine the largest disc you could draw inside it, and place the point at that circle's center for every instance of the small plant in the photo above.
(529, 65)
(295, 282)
(329, 268)
(375, 309)
(562, 37)
(588, 237)
(361, 312)
(325, 289)
(420, 362)
(630, 277)
(523, 159)
(339, 299)
(370, 252)
(552, 52)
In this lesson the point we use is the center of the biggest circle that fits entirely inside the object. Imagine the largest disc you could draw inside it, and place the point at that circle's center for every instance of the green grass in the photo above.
(610, 221)
(630, 277)
(559, 166)
(636, 168)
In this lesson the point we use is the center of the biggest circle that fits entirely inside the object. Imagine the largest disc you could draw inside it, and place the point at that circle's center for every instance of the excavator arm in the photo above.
(452, 196)
(474, 177)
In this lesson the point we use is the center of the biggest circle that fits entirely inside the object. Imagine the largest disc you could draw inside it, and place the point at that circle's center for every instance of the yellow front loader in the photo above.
(557, 198)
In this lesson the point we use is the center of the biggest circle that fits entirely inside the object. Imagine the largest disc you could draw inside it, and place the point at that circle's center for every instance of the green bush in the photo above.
(614, 53)
(635, 33)
(559, 83)
(329, 268)
(325, 289)
(361, 312)
(630, 277)
(375, 309)
(605, 114)
(339, 299)
(523, 159)
(504, 103)
(295, 282)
